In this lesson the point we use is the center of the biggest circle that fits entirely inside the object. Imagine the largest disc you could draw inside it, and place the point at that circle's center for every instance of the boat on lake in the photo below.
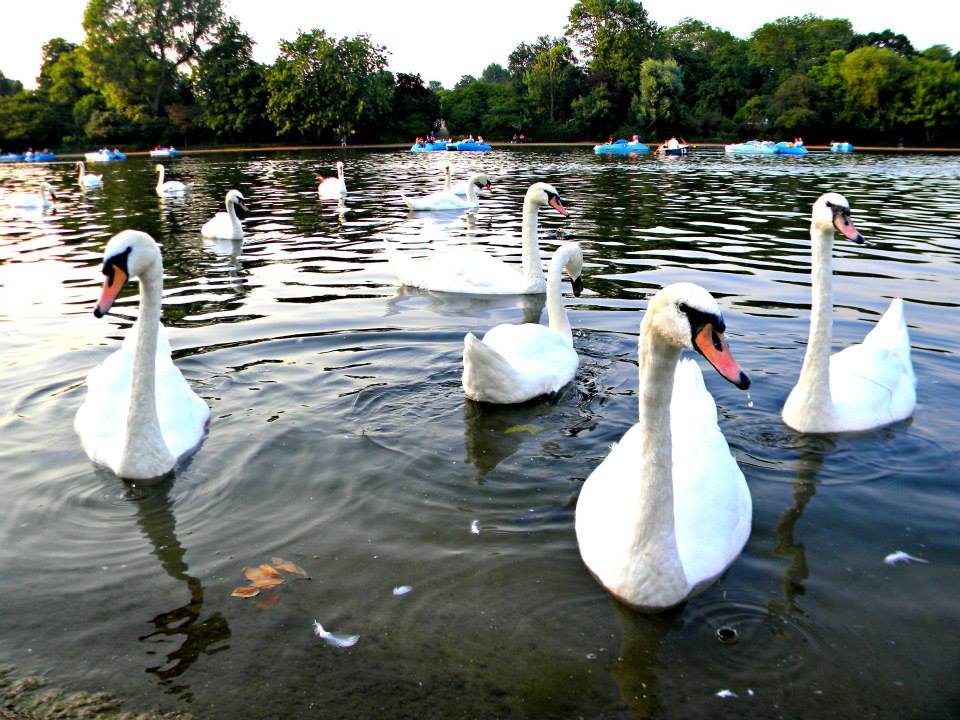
(622, 147)
(841, 147)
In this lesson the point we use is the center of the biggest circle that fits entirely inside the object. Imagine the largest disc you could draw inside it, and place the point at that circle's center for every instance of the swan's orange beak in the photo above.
(841, 221)
(557, 205)
(713, 346)
(111, 288)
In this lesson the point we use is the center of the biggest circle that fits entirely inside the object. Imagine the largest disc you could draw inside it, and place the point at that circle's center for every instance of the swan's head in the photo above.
(832, 209)
(236, 199)
(542, 194)
(158, 167)
(481, 181)
(49, 190)
(686, 316)
(573, 265)
(129, 254)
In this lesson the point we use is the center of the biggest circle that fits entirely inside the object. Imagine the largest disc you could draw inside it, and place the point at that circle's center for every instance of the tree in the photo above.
(8, 86)
(661, 83)
(495, 73)
(885, 39)
(551, 75)
(136, 47)
(794, 45)
(614, 36)
(414, 106)
(326, 86)
(230, 85)
(794, 107)
(935, 98)
(593, 112)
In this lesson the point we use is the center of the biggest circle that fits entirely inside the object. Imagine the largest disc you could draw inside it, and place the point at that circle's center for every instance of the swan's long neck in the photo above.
(655, 560)
(232, 214)
(81, 170)
(815, 373)
(532, 264)
(556, 312)
(340, 172)
(144, 449)
(160, 176)
(472, 192)
(446, 178)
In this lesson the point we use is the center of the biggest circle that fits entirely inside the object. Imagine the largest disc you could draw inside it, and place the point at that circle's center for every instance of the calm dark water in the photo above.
(340, 440)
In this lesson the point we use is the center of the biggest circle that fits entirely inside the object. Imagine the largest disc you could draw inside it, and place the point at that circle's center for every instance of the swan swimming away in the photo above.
(469, 270)
(448, 200)
(515, 363)
(863, 386)
(170, 187)
(226, 225)
(44, 199)
(332, 188)
(140, 415)
(668, 510)
(87, 180)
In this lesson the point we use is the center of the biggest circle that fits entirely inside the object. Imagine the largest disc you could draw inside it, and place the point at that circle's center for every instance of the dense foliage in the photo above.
(180, 71)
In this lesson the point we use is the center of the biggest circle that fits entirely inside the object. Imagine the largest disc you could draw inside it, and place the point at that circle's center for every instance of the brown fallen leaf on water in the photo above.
(289, 567)
(245, 592)
(263, 578)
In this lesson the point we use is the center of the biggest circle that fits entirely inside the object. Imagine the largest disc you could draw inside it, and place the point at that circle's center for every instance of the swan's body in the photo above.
(333, 188)
(466, 270)
(668, 510)
(449, 200)
(226, 225)
(170, 187)
(864, 386)
(87, 180)
(515, 363)
(32, 201)
(140, 415)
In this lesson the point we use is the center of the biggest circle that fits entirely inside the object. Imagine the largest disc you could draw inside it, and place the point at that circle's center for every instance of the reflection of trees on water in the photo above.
(184, 625)
(803, 489)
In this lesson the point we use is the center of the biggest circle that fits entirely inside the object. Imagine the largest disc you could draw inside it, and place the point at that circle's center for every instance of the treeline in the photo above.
(180, 71)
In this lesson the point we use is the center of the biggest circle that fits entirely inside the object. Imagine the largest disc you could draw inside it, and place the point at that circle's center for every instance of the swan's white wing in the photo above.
(332, 188)
(712, 506)
(458, 270)
(219, 226)
(442, 200)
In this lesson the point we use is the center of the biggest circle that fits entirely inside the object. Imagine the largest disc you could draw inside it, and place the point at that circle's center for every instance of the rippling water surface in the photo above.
(340, 440)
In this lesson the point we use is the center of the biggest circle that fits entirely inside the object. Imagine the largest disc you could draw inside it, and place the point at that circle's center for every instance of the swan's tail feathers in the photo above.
(890, 332)
(487, 376)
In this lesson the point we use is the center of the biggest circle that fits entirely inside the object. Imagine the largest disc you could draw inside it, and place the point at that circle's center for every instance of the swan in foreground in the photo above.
(43, 199)
(226, 225)
(469, 270)
(668, 510)
(332, 188)
(863, 386)
(140, 415)
(170, 187)
(448, 200)
(515, 363)
(87, 180)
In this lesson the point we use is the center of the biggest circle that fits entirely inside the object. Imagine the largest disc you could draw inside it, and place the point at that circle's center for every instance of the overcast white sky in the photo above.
(444, 41)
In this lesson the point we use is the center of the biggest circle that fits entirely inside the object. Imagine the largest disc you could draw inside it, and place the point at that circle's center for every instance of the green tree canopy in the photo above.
(614, 36)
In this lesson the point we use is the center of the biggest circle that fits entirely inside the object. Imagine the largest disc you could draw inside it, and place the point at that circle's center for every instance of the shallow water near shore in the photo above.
(340, 440)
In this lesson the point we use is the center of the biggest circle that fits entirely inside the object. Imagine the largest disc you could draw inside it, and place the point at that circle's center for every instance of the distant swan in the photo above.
(515, 363)
(469, 270)
(863, 386)
(170, 187)
(226, 225)
(332, 188)
(668, 510)
(448, 200)
(140, 415)
(87, 180)
(43, 199)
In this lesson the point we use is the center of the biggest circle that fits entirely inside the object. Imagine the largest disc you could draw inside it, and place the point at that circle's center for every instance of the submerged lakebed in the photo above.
(340, 440)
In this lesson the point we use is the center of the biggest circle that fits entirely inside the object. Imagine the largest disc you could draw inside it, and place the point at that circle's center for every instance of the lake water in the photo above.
(340, 440)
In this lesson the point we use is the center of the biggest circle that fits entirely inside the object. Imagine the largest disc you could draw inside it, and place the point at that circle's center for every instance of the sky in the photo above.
(445, 41)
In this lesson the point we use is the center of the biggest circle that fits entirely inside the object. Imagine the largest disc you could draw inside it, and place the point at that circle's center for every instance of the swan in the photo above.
(459, 188)
(515, 363)
(139, 415)
(226, 225)
(468, 270)
(448, 200)
(332, 188)
(863, 386)
(43, 199)
(85, 179)
(170, 187)
(668, 510)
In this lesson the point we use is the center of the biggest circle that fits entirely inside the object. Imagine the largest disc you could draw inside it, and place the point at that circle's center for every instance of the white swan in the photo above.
(43, 199)
(226, 225)
(515, 363)
(863, 386)
(448, 200)
(468, 270)
(170, 187)
(87, 180)
(332, 188)
(140, 415)
(668, 510)
(459, 188)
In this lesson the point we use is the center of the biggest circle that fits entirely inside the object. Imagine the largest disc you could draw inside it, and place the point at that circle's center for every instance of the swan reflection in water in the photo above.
(486, 308)
(185, 627)
(492, 433)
